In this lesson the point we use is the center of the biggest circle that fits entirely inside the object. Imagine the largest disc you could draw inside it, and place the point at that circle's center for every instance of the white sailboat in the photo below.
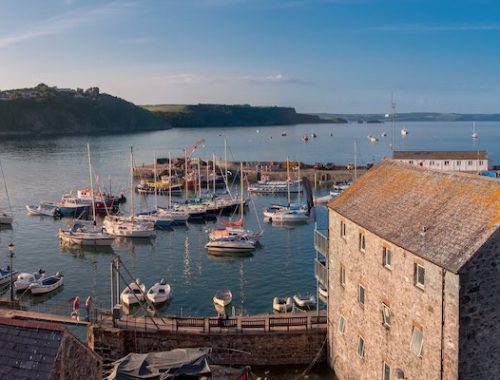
(84, 233)
(5, 217)
(474, 135)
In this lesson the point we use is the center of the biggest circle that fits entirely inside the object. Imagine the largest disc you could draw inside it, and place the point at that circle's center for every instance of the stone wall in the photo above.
(229, 348)
(409, 305)
(75, 361)
(480, 313)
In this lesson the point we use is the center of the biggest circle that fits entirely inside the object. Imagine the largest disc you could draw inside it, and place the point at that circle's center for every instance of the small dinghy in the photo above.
(41, 210)
(223, 297)
(304, 301)
(47, 284)
(24, 280)
(282, 304)
(159, 293)
(133, 293)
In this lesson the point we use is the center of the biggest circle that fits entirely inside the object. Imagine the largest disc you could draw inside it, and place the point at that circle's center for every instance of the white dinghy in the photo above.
(223, 297)
(47, 284)
(159, 293)
(24, 280)
(282, 304)
(133, 293)
(304, 301)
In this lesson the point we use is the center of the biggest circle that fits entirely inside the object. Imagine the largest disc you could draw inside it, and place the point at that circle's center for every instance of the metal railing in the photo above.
(321, 242)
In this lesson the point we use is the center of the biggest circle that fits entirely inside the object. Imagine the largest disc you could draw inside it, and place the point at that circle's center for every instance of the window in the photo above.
(341, 325)
(419, 276)
(431, 163)
(361, 294)
(361, 347)
(387, 257)
(417, 341)
(458, 163)
(386, 316)
(410, 162)
(342, 275)
(480, 162)
(342, 229)
(361, 242)
(446, 163)
(386, 371)
(469, 163)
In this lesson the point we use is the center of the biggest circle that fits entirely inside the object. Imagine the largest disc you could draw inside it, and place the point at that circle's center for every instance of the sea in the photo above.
(44, 168)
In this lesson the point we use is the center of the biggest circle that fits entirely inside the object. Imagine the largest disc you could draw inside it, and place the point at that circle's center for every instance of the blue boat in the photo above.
(69, 206)
(5, 275)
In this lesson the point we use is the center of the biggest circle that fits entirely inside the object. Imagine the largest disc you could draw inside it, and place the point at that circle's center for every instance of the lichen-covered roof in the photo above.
(440, 155)
(397, 201)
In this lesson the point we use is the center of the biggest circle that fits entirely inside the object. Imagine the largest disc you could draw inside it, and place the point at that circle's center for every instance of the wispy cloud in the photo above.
(424, 28)
(136, 40)
(273, 78)
(183, 78)
(67, 21)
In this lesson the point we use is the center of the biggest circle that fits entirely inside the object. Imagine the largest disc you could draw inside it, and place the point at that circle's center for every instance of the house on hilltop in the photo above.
(414, 276)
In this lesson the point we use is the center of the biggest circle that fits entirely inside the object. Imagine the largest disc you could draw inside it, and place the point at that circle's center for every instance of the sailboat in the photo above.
(83, 233)
(5, 218)
(129, 226)
(474, 135)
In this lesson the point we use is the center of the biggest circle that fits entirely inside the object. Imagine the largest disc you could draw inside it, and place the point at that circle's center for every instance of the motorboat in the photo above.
(372, 138)
(223, 297)
(304, 301)
(282, 304)
(159, 293)
(231, 244)
(322, 291)
(305, 138)
(5, 218)
(289, 217)
(275, 187)
(160, 221)
(47, 284)
(271, 211)
(283, 133)
(69, 205)
(24, 280)
(102, 201)
(85, 234)
(404, 132)
(314, 135)
(383, 134)
(41, 210)
(126, 226)
(133, 293)
(5, 274)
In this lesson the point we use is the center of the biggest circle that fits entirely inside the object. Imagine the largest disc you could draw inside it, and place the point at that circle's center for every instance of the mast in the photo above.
(132, 205)
(241, 191)
(393, 115)
(213, 171)
(225, 161)
(355, 160)
(91, 185)
(298, 183)
(199, 177)
(288, 179)
(156, 182)
(185, 174)
(170, 181)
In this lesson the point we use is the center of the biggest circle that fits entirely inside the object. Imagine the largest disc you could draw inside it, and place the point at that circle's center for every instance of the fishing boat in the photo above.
(5, 274)
(41, 210)
(223, 297)
(282, 304)
(404, 132)
(24, 280)
(304, 301)
(69, 205)
(372, 138)
(133, 293)
(47, 284)
(101, 201)
(159, 293)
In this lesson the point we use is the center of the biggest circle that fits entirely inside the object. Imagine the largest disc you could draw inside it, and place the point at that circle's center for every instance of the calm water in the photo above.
(43, 169)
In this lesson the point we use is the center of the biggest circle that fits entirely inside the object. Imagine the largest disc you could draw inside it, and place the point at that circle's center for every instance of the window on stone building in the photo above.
(387, 257)
(419, 276)
(342, 229)
(386, 371)
(361, 347)
(361, 294)
(417, 340)
(342, 275)
(342, 322)
(386, 315)
(361, 242)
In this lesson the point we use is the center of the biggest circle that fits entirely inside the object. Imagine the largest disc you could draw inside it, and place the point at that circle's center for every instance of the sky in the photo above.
(341, 56)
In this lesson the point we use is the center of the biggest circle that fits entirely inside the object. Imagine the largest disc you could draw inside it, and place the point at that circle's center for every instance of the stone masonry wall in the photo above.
(480, 313)
(229, 348)
(409, 305)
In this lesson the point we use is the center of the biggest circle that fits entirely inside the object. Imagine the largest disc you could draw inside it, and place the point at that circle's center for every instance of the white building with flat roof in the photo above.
(463, 161)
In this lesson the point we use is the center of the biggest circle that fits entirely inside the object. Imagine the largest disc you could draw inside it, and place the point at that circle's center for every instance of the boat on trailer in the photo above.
(159, 293)
(223, 297)
(47, 284)
(282, 304)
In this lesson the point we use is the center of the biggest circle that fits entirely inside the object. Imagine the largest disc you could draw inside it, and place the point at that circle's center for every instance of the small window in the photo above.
(446, 163)
(361, 242)
(469, 163)
(361, 294)
(458, 163)
(361, 347)
(342, 229)
(410, 162)
(417, 341)
(342, 275)
(386, 316)
(387, 257)
(480, 162)
(431, 163)
(386, 371)
(341, 325)
(419, 276)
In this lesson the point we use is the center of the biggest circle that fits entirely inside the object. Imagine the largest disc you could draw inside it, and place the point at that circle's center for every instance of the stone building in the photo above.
(464, 161)
(414, 276)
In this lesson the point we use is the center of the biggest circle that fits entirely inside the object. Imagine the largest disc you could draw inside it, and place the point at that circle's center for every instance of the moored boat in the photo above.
(84, 234)
(5, 274)
(47, 284)
(304, 301)
(282, 304)
(133, 293)
(24, 280)
(231, 244)
(41, 210)
(6, 218)
(124, 226)
(223, 297)
(159, 293)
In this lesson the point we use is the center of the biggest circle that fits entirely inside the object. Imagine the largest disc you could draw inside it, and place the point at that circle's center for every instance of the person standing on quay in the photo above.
(76, 308)
(88, 306)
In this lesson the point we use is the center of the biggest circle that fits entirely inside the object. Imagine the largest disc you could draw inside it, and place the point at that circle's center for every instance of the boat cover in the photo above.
(162, 365)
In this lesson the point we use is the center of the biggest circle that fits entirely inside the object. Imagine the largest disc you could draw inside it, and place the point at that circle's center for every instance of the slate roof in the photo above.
(440, 155)
(396, 201)
(28, 350)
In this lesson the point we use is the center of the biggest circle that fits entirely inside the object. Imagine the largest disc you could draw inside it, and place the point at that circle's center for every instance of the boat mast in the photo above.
(241, 191)
(213, 171)
(132, 205)
(170, 181)
(92, 186)
(393, 115)
(225, 162)
(185, 174)
(156, 182)
(288, 179)
(355, 160)
(298, 175)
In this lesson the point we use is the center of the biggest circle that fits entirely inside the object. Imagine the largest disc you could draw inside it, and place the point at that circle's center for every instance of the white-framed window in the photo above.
(361, 242)
(361, 347)
(469, 163)
(480, 162)
(386, 371)
(417, 340)
(386, 315)
(342, 275)
(342, 323)
(387, 257)
(419, 276)
(446, 163)
(342, 229)
(361, 294)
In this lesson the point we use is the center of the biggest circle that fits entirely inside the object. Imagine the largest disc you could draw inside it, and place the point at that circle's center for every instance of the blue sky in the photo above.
(341, 56)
